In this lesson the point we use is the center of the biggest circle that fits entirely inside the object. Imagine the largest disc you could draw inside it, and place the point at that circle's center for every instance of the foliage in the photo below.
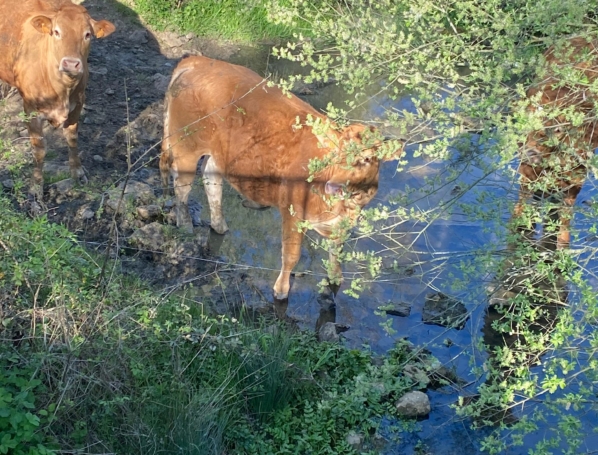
(234, 20)
(462, 69)
(116, 367)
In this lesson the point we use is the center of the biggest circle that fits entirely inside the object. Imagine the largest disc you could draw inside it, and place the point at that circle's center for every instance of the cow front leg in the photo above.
(564, 237)
(291, 251)
(520, 225)
(212, 182)
(70, 132)
(38, 144)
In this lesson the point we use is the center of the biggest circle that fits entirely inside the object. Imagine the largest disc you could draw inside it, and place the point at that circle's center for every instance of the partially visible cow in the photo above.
(257, 138)
(555, 157)
(44, 45)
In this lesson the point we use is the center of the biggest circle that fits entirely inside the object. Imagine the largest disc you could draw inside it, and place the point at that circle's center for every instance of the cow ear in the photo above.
(103, 28)
(42, 24)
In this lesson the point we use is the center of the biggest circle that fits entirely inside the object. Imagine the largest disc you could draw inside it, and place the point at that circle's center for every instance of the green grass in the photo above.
(117, 368)
(234, 20)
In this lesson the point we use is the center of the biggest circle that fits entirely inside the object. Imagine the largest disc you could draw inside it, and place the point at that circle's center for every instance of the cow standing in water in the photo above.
(257, 138)
(555, 158)
(44, 45)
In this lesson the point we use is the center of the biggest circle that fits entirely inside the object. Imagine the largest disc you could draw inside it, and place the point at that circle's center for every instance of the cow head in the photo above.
(358, 151)
(69, 33)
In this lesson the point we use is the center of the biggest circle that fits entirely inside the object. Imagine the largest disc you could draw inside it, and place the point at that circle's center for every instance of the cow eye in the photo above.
(88, 35)
(56, 33)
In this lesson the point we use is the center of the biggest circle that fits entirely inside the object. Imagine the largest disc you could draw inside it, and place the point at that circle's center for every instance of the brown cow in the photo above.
(44, 45)
(257, 139)
(554, 161)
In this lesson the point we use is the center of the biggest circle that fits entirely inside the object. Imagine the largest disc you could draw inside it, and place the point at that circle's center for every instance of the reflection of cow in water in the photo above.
(554, 162)
(259, 139)
(525, 306)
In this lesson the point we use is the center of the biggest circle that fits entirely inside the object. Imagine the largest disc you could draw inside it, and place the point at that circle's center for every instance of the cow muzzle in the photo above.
(71, 66)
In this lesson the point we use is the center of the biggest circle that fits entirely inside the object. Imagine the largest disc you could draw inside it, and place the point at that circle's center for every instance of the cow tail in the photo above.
(166, 158)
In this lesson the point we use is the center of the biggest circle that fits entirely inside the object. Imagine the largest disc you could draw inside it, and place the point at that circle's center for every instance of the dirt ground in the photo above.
(119, 137)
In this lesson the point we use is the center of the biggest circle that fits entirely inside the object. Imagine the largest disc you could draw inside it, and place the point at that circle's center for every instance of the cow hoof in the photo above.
(280, 296)
(219, 228)
(83, 180)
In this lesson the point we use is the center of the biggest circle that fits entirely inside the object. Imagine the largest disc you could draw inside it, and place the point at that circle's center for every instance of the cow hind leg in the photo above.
(183, 182)
(212, 179)
(291, 252)
(165, 165)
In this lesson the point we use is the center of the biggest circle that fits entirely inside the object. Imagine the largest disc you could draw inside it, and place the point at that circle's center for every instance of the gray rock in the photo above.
(355, 440)
(149, 212)
(161, 82)
(150, 237)
(135, 192)
(440, 309)
(139, 36)
(328, 333)
(86, 213)
(416, 374)
(64, 187)
(8, 184)
(57, 168)
(98, 70)
(98, 158)
(414, 404)
(402, 309)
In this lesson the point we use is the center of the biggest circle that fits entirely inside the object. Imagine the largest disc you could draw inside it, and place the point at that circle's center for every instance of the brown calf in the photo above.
(257, 139)
(44, 45)
(554, 161)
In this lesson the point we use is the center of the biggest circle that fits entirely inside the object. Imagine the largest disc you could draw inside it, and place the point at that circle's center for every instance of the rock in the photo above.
(171, 39)
(139, 36)
(98, 70)
(57, 168)
(86, 213)
(8, 184)
(355, 440)
(98, 158)
(135, 192)
(64, 187)
(150, 237)
(161, 82)
(402, 309)
(328, 333)
(416, 374)
(149, 212)
(414, 404)
(439, 309)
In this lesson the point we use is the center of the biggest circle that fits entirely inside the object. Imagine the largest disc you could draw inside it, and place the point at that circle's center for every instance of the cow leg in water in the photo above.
(291, 251)
(70, 131)
(212, 182)
(38, 143)
(522, 227)
(564, 238)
